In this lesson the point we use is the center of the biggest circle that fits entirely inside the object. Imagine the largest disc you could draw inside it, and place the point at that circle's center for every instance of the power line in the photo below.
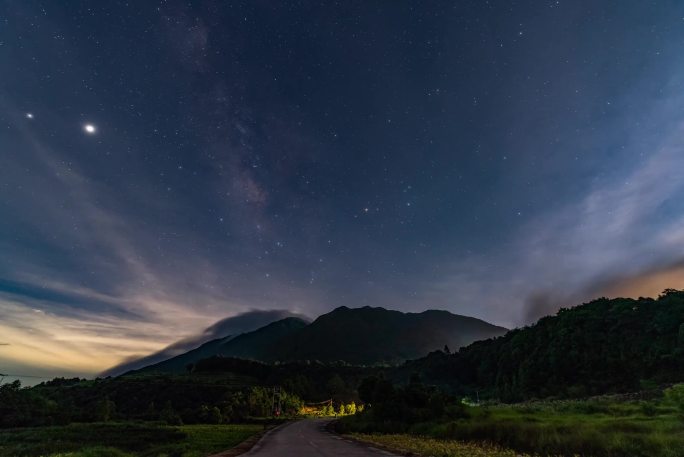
(324, 402)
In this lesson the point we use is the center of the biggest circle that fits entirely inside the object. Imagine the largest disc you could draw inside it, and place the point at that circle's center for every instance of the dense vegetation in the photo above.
(216, 390)
(311, 381)
(123, 440)
(171, 400)
(418, 418)
(426, 446)
(604, 346)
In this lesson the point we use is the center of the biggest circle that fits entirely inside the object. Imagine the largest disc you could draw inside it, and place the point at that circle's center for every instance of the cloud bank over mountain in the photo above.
(229, 327)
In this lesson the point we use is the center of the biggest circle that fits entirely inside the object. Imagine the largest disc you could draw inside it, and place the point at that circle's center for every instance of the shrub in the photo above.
(350, 408)
(675, 395)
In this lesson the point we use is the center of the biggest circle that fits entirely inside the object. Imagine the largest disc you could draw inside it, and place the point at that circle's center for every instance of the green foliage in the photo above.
(105, 409)
(259, 402)
(336, 385)
(675, 395)
(395, 408)
(350, 408)
(210, 415)
(290, 404)
(604, 346)
(129, 438)
(21, 407)
(175, 400)
(313, 381)
(328, 410)
(95, 451)
(341, 409)
(122, 440)
(367, 389)
(169, 415)
(204, 440)
(420, 445)
(599, 428)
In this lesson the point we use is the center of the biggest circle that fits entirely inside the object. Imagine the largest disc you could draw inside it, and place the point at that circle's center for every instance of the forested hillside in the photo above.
(607, 345)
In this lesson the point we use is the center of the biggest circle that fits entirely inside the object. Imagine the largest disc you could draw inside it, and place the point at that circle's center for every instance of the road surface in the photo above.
(308, 438)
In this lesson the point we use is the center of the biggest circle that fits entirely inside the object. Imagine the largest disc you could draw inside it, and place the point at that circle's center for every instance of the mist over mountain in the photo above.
(257, 344)
(363, 336)
(225, 329)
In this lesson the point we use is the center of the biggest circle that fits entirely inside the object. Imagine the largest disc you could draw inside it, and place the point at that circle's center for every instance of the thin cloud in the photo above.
(228, 327)
(614, 240)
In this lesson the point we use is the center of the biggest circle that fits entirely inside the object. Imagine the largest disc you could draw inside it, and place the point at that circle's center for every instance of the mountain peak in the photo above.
(362, 336)
(375, 335)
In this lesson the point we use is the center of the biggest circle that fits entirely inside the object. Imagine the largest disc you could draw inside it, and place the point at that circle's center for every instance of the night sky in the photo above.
(164, 165)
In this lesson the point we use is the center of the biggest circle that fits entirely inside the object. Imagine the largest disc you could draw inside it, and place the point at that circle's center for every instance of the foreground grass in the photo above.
(598, 428)
(587, 428)
(203, 440)
(123, 440)
(434, 447)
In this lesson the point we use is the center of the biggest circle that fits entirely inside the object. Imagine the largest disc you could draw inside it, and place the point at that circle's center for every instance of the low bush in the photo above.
(568, 428)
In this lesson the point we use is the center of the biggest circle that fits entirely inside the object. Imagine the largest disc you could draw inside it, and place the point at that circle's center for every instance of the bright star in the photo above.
(29, 115)
(89, 129)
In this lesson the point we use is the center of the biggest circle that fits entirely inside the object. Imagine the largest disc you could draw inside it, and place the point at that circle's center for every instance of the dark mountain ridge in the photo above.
(251, 345)
(224, 329)
(367, 336)
(358, 336)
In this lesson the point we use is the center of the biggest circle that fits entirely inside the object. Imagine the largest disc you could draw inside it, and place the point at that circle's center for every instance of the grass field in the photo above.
(597, 427)
(425, 446)
(123, 440)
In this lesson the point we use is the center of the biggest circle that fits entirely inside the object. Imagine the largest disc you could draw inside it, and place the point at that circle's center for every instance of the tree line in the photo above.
(604, 346)
(168, 400)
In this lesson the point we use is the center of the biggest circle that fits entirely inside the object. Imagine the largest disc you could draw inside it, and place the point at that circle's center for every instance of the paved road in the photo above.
(308, 438)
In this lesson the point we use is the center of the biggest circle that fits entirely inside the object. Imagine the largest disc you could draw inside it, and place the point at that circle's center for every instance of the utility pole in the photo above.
(275, 407)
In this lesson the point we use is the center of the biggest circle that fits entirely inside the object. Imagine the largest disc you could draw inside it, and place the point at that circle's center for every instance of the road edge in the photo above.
(330, 427)
(251, 443)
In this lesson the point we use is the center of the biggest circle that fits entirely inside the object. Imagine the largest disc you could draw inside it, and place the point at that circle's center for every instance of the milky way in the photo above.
(165, 166)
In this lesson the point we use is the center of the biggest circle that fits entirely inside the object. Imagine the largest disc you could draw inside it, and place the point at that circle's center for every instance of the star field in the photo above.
(164, 165)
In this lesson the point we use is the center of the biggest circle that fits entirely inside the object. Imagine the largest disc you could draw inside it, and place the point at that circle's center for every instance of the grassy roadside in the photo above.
(423, 446)
(595, 427)
(123, 440)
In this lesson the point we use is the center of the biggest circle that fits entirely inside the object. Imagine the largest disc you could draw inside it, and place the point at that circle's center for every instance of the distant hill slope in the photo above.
(361, 336)
(223, 329)
(604, 346)
(251, 345)
(366, 336)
